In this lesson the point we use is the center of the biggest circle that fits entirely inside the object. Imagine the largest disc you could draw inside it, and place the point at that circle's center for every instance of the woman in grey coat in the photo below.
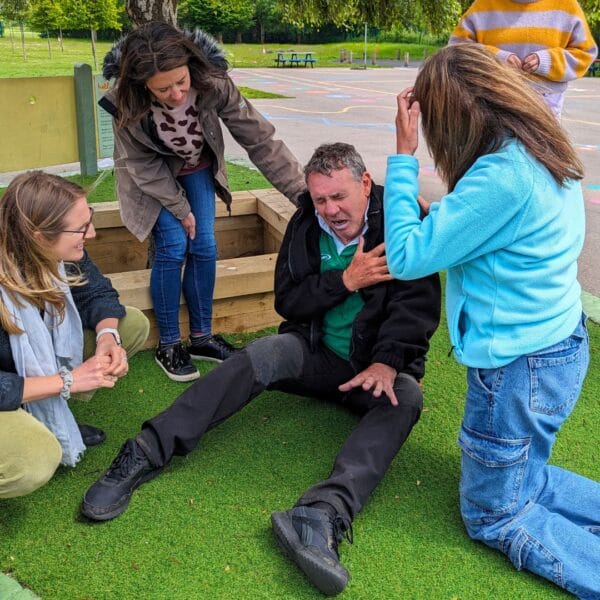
(172, 88)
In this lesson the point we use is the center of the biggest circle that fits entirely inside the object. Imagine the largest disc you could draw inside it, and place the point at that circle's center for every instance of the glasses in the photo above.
(86, 227)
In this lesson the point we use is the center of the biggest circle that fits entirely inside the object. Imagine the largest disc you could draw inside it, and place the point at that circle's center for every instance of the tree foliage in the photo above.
(434, 15)
(217, 16)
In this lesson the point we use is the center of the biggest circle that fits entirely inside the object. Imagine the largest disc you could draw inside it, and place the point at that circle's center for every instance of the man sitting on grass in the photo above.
(352, 335)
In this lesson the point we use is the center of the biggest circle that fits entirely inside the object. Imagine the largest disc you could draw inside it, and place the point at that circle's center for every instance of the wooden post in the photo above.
(86, 123)
(406, 59)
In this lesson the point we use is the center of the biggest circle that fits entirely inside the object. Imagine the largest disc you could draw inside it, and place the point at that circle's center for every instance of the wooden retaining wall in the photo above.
(247, 243)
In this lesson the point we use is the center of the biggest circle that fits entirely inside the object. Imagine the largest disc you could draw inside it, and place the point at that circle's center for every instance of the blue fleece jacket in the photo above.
(509, 236)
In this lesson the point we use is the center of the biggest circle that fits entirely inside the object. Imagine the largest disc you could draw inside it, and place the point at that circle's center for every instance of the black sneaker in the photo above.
(92, 436)
(110, 495)
(215, 349)
(310, 538)
(175, 361)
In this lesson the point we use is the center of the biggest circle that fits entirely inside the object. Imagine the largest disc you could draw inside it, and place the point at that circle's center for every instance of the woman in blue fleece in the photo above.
(509, 232)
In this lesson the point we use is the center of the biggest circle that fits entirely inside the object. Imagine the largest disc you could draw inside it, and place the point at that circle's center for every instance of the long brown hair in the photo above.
(147, 50)
(471, 102)
(32, 216)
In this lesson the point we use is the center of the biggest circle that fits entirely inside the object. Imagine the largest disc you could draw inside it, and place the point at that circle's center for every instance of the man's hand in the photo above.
(378, 378)
(530, 63)
(189, 224)
(366, 268)
(113, 356)
(514, 61)
(407, 123)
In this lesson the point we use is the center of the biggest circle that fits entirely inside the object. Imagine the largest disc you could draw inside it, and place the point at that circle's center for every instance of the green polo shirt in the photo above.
(337, 323)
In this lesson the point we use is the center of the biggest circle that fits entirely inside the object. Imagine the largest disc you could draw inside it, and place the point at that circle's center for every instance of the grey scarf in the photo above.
(44, 347)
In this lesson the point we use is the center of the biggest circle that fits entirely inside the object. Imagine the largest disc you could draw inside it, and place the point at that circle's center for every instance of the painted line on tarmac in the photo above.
(331, 86)
(581, 121)
(325, 112)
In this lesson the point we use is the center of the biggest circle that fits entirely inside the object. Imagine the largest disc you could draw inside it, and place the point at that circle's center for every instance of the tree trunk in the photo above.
(60, 39)
(144, 11)
(93, 34)
(262, 33)
(238, 37)
(49, 45)
(22, 28)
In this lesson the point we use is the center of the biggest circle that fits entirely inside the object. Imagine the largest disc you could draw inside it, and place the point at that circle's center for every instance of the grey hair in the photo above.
(335, 157)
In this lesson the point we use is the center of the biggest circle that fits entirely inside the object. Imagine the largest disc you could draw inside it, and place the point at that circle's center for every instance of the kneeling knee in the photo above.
(27, 469)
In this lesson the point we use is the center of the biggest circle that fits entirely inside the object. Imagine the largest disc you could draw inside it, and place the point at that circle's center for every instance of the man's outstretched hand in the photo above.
(378, 378)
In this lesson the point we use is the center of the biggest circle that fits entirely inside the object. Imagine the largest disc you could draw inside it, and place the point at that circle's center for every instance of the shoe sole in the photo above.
(328, 579)
(206, 358)
(86, 510)
(179, 378)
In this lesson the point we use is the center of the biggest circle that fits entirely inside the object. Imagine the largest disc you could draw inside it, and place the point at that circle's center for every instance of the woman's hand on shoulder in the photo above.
(407, 123)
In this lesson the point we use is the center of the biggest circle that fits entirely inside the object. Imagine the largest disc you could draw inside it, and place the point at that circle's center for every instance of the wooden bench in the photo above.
(247, 241)
(292, 58)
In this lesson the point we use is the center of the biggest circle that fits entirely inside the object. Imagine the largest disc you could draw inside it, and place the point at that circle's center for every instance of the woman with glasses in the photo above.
(62, 329)
(509, 232)
(172, 92)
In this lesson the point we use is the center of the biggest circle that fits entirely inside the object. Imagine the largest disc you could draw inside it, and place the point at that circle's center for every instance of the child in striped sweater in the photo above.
(549, 39)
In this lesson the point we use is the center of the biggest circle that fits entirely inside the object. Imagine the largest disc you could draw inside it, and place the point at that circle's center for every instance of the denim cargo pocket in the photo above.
(556, 376)
(492, 470)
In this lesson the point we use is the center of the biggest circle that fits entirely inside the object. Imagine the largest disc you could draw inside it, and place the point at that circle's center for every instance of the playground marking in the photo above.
(327, 112)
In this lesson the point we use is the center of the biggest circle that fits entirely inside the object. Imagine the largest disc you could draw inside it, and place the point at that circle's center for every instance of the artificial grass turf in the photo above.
(202, 529)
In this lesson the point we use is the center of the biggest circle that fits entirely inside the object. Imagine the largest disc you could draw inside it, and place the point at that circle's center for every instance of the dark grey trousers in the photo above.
(284, 362)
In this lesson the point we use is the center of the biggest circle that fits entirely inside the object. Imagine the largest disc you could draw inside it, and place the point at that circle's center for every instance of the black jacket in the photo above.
(95, 301)
(397, 319)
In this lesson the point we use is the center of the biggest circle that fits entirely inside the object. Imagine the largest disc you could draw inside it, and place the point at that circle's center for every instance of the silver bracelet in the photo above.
(67, 378)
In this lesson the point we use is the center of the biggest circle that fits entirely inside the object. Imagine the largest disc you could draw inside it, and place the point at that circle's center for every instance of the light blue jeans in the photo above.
(544, 518)
(173, 249)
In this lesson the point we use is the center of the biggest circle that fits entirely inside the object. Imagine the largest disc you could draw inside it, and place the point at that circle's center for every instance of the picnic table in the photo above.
(294, 58)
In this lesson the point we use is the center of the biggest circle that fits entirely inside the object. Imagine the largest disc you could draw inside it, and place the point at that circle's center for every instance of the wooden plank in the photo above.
(250, 313)
(106, 214)
(235, 278)
(271, 239)
(274, 208)
(115, 249)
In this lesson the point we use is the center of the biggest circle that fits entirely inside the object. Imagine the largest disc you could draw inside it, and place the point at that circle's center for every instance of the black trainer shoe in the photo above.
(175, 361)
(215, 349)
(310, 538)
(92, 436)
(110, 495)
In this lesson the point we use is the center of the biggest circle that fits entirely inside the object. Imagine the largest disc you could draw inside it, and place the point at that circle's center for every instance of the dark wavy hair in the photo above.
(471, 102)
(152, 48)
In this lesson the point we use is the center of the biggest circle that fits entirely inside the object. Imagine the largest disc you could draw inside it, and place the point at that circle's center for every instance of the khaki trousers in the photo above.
(29, 453)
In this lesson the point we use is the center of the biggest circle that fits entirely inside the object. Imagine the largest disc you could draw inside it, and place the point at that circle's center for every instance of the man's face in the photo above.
(341, 201)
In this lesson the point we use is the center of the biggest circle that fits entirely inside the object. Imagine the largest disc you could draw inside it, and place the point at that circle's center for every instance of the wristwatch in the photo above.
(110, 330)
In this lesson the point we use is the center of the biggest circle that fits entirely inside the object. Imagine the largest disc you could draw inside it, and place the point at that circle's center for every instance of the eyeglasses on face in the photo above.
(85, 228)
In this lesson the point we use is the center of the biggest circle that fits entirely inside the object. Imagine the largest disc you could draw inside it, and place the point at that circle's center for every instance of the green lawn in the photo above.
(103, 184)
(39, 63)
(202, 529)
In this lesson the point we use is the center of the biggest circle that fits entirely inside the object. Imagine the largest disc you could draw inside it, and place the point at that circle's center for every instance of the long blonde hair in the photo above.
(32, 216)
(471, 102)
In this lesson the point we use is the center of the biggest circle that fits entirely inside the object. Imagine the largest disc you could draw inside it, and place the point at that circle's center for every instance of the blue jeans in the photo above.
(173, 249)
(544, 518)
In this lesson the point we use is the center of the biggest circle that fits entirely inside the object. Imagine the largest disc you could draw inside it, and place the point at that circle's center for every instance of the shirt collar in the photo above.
(339, 245)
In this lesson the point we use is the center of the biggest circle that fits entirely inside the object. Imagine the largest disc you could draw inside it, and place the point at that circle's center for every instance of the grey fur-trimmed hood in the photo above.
(204, 41)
